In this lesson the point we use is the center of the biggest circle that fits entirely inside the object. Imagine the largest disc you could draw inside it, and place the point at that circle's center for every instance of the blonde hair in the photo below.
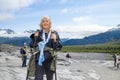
(45, 17)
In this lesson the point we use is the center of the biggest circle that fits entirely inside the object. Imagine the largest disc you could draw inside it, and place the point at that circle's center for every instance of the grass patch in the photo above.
(99, 48)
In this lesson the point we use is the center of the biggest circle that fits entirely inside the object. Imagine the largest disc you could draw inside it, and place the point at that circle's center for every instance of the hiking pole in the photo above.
(27, 73)
(54, 60)
(55, 68)
(30, 60)
(28, 67)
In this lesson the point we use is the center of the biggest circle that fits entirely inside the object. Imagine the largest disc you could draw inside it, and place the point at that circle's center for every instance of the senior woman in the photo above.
(45, 40)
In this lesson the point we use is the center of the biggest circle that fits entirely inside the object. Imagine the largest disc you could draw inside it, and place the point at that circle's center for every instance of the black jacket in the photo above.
(55, 45)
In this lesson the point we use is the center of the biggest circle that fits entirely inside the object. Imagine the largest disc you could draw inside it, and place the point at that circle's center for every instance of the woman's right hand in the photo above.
(36, 34)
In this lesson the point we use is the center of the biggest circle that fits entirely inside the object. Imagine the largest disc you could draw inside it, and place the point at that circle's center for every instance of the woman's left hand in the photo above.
(53, 36)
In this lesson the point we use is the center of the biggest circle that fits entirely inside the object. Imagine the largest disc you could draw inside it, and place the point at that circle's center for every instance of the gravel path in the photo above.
(88, 66)
(82, 66)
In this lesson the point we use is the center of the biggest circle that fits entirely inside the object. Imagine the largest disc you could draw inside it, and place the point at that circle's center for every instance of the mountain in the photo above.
(64, 39)
(28, 31)
(8, 36)
(12, 33)
(118, 25)
(114, 42)
(17, 41)
(112, 34)
(6, 31)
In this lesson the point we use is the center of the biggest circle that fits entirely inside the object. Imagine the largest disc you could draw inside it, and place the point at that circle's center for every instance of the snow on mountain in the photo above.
(12, 33)
(6, 31)
(29, 31)
(115, 29)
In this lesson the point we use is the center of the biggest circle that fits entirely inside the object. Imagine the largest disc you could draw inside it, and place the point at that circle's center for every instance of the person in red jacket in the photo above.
(68, 55)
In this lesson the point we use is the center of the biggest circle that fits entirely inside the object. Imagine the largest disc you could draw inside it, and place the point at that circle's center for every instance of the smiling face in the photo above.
(45, 23)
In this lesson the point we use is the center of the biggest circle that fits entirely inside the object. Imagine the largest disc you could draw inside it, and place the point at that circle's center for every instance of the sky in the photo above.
(70, 18)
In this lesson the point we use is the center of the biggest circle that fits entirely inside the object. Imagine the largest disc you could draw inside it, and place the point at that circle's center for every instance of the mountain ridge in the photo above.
(104, 37)
(112, 34)
(12, 33)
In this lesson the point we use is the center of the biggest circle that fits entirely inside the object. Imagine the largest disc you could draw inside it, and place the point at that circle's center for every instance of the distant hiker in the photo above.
(117, 60)
(45, 43)
(114, 58)
(24, 52)
(69, 58)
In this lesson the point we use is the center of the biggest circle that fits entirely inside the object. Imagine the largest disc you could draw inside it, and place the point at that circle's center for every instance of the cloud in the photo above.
(64, 11)
(8, 7)
(14, 4)
(78, 28)
(64, 1)
(69, 31)
(83, 20)
(80, 19)
(6, 16)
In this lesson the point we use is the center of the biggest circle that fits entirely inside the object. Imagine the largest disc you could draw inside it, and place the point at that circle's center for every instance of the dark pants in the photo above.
(44, 69)
(24, 61)
(115, 63)
(118, 65)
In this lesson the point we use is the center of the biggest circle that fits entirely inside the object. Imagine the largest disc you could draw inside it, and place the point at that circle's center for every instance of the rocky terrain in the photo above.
(82, 66)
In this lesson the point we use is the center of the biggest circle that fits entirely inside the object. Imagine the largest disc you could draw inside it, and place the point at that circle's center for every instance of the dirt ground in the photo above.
(82, 66)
